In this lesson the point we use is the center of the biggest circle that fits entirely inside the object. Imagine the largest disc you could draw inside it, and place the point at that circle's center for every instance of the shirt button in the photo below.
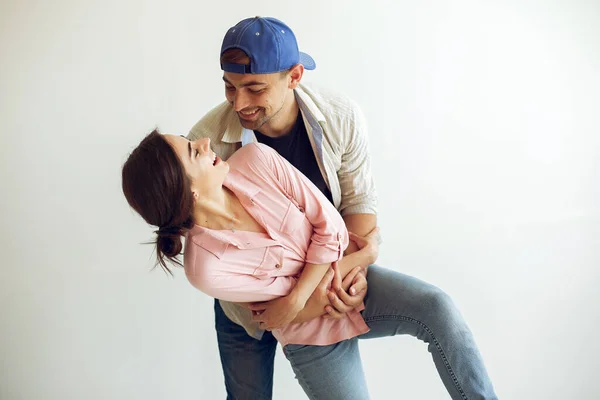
(277, 266)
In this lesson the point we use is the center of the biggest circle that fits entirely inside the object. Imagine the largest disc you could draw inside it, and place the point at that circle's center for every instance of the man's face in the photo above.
(257, 99)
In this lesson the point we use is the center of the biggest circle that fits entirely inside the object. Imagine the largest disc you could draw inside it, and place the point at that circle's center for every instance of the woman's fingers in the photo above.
(332, 313)
(350, 277)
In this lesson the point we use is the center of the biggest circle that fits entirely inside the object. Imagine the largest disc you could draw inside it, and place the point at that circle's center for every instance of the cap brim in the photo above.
(307, 61)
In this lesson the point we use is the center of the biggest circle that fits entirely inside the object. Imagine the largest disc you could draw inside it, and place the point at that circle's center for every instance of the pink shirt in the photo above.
(302, 227)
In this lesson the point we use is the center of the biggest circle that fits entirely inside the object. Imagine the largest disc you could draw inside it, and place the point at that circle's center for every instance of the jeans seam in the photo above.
(435, 342)
(309, 392)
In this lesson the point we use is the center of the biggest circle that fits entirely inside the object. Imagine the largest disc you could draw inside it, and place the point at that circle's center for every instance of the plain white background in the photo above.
(485, 138)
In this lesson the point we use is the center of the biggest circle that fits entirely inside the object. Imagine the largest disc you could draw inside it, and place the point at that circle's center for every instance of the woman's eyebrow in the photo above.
(189, 146)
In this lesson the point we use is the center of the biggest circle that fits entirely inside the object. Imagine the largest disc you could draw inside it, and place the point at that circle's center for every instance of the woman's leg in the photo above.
(331, 372)
(398, 304)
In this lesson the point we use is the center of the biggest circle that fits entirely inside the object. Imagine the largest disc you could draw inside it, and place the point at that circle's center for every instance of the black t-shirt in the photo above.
(295, 147)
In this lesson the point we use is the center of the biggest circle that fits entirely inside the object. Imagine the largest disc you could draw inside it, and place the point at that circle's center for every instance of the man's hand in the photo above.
(276, 313)
(347, 294)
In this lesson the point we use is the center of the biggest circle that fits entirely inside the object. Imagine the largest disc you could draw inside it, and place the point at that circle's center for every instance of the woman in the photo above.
(255, 229)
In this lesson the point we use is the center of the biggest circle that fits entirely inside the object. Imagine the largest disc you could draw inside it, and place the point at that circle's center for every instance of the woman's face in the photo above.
(205, 170)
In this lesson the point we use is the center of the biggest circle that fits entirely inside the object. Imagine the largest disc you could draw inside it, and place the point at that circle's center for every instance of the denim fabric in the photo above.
(396, 304)
(247, 363)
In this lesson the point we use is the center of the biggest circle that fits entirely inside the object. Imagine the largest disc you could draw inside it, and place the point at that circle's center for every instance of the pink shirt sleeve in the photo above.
(330, 236)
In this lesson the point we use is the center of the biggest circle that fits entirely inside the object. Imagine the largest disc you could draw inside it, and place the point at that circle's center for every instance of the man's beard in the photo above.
(254, 125)
(261, 120)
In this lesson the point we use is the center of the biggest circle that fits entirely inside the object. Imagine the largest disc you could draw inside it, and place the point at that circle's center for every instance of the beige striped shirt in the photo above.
(338, 134)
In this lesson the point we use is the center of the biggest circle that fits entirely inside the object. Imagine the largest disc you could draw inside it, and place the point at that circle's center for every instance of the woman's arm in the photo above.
(309, 279)
(347, 291)
(361, 258)
(322, 301)
(328, 240)
(280, 312)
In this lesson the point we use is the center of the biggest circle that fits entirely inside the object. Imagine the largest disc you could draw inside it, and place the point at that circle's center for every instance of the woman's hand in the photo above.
(276, 313)
(368, 243)
(315, 306)
(346, 294)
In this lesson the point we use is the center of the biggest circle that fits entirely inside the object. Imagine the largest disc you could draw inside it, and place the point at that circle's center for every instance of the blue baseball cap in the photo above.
(270, 44)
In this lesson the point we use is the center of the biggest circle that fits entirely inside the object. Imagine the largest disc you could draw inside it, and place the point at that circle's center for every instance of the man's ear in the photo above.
(296, 73)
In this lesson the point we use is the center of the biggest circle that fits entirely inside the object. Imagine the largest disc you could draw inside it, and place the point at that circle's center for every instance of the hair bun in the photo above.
(168, 241)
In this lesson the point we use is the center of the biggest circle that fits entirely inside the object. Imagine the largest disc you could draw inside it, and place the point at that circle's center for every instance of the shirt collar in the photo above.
(307, 105)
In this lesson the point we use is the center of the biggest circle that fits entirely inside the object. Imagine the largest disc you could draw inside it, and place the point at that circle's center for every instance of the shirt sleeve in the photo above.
(356, 180)
(330, 236)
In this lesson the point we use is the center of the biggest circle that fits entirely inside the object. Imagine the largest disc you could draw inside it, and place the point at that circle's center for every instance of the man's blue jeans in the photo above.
(396, 304)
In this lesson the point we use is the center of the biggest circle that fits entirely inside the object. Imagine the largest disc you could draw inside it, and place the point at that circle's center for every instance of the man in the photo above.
(324, 136)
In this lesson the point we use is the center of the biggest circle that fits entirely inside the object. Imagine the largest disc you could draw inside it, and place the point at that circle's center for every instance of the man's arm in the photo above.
(356, 181)
(358, 206)
(361, 225)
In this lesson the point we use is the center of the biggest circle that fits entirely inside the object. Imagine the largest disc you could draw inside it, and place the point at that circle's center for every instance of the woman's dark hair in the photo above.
(156, 187)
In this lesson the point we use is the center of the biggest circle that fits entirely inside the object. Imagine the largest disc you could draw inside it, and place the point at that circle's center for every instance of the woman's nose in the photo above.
(204, 144)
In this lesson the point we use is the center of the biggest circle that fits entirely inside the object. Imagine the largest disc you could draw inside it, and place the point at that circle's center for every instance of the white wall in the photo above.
(485, 135)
